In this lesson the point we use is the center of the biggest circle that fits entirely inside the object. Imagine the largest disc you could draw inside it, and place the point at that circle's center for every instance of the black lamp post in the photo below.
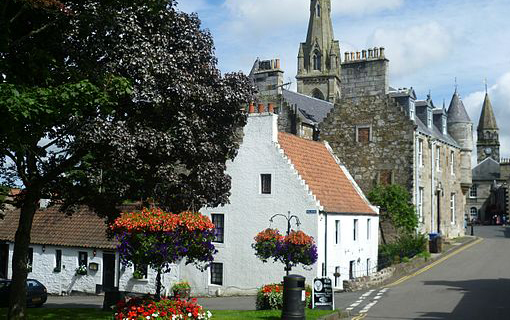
(288, 217)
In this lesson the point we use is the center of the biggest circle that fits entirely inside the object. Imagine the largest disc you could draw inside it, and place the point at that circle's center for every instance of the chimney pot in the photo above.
(370, 53)
(261, 108)
(251, 109)
(352, 56)
(270, 108)
(381, 52)
(363, 54)
(277, 63)
(358, 55)
(376, 52)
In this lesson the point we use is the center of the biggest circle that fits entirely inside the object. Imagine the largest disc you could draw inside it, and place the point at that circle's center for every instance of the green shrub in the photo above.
(406, 247)
(270, 297)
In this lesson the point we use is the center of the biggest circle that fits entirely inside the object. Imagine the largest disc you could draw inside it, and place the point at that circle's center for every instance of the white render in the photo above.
(67, 281)
(249, 212)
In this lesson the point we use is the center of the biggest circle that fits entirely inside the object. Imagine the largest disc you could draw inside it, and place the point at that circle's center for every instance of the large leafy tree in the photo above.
(102, 101)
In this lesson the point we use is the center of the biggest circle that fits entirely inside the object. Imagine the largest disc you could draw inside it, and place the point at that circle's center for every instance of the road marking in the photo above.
(435, 263)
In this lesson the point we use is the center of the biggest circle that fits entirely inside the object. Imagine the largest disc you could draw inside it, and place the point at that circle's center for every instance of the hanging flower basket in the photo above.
(296, 248)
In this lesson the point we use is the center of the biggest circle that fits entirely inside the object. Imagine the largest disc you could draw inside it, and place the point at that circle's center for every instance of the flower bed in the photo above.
(165, 309)
(270, 297)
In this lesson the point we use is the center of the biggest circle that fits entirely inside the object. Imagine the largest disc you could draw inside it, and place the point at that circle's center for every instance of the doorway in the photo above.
(4, 260)
(108, 271)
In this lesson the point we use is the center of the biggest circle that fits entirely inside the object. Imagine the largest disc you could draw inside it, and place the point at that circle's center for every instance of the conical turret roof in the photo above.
(457, 111)
(487, 118)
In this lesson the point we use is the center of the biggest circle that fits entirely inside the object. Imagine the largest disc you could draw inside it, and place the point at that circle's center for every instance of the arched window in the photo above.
(316, 93)
(474, 213)
(316, 60)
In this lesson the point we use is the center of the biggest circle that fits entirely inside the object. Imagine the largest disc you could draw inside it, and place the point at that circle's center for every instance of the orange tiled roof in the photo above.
(52, 227)
(323, 175)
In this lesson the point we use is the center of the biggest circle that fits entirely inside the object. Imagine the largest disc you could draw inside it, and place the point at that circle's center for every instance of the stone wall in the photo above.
(363, 77)
(390, 149)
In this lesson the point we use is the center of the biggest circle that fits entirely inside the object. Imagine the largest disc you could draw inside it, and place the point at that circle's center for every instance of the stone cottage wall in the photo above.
(390, 151)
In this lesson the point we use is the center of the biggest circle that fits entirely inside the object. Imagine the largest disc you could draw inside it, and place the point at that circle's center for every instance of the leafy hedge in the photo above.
(406, 246)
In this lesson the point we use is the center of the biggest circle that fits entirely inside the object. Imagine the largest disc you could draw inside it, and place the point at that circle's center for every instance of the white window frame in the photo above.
(222, 274)
(452, 162)
(412, 110)
(419, 203)
(438, 158)
(420, 152)
(452, 208)
(222, 227)
(473, 215)
(473, 191)
(429, 118)
(355, 229)
(444, 128)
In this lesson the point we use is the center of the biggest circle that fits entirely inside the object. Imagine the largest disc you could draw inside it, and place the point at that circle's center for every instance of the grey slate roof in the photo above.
(457, 111)
(488, 169)
(435, 132)
(312, 109)
(487, 119)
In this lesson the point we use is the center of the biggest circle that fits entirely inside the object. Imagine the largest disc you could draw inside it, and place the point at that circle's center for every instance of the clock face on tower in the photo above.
(488, 150)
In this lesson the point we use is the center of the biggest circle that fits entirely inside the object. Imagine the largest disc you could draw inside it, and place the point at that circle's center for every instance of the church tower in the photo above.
(319, 57)
(487, 144)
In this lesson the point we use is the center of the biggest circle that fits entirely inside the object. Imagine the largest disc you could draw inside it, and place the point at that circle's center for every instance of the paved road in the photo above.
(473, 284)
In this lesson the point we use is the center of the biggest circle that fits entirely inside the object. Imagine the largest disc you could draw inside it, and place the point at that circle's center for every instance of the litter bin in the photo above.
(293, 297)
(435, 242)
(111, 297)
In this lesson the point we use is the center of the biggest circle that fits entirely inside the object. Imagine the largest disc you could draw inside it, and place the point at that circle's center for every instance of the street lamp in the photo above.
(288, 217)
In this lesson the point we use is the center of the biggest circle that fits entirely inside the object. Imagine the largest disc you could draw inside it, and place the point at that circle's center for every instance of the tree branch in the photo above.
(33, 32)
(17, 14)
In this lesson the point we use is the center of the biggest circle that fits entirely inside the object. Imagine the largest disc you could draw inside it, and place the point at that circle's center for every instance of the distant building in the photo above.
(381, 134)
(487, 199)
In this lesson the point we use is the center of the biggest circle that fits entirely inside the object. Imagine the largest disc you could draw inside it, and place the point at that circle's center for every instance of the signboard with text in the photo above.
(322, 294)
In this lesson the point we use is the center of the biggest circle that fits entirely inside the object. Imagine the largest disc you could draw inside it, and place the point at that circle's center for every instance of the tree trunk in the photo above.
(158, 285)
(18, 293)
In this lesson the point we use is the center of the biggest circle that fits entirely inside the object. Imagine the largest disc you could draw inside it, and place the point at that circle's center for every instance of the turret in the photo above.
(460, 128)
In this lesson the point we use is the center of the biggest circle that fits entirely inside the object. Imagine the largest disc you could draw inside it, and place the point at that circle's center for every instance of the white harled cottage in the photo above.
(276, 172)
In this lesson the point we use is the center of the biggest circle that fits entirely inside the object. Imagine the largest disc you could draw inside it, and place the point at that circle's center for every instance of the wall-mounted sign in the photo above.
(311, 211)
(322, 295)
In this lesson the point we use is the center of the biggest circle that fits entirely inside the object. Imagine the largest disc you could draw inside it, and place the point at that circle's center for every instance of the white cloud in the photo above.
(499, 94)
(363, 6)
(192, 5)
(412, 48)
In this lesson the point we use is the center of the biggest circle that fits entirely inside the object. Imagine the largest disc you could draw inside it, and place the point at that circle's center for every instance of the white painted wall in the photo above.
(249, 212)
(66, 281)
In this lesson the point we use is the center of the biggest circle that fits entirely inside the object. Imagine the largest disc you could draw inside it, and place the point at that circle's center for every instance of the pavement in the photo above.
(357, 303)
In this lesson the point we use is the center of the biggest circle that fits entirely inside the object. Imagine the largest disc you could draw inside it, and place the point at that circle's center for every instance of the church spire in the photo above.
(319, 57)
(488, 133)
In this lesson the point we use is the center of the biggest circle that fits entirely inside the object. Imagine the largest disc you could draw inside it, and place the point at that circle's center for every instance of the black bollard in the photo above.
(472, 230)
(293, 297)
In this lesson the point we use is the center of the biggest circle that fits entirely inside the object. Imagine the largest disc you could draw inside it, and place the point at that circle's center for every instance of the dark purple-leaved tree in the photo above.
(103, 101)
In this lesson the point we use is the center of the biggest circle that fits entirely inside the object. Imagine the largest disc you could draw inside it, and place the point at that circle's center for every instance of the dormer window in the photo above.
(412, 109)
(443, 125)
(429, 118)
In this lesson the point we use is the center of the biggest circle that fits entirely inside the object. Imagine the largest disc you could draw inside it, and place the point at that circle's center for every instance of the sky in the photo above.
(432, 45)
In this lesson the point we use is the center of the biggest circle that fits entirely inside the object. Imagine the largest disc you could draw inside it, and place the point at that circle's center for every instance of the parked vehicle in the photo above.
(36, 293)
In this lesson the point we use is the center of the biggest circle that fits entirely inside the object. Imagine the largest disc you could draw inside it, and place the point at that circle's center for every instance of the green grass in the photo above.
(97, 314)
(61, 314)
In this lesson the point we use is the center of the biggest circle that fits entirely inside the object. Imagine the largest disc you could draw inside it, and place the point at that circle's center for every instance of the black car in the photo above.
(36, 293)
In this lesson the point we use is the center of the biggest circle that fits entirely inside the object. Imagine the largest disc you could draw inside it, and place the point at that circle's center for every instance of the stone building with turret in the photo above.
(487, 199)
(383, 135)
